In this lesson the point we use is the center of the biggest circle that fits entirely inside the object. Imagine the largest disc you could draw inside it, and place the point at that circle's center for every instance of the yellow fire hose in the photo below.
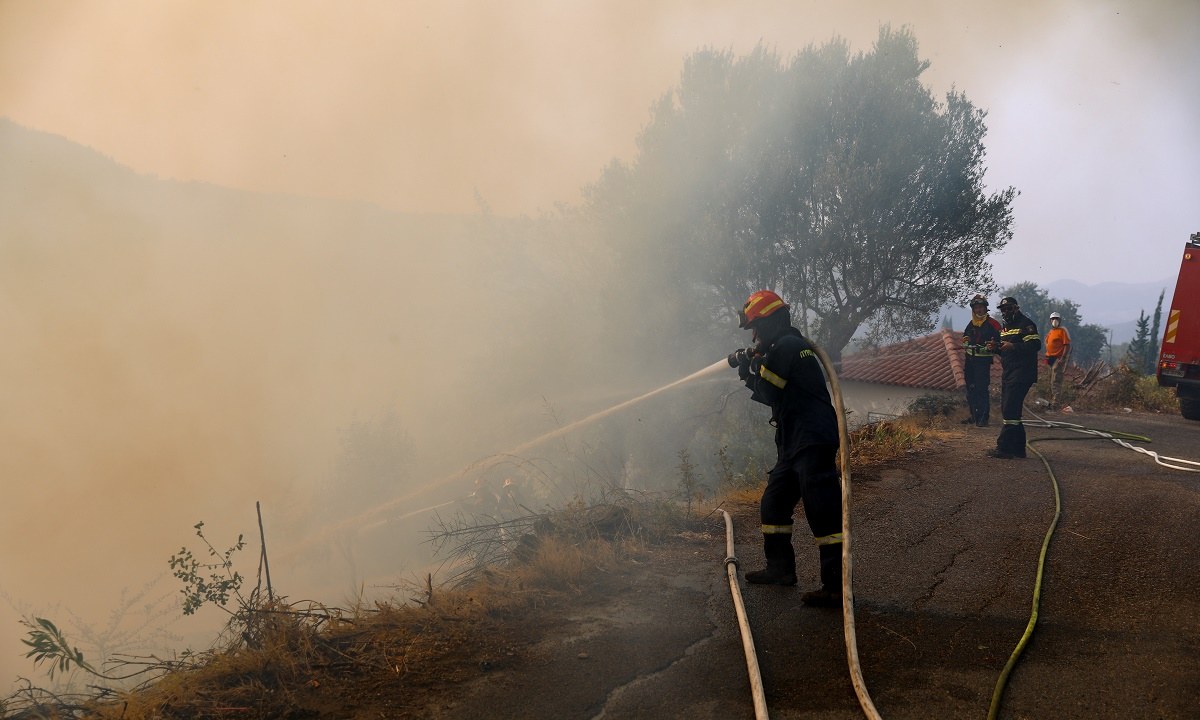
(1119, 438)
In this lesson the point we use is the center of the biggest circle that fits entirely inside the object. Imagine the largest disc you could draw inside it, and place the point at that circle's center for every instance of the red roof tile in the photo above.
(934, 361)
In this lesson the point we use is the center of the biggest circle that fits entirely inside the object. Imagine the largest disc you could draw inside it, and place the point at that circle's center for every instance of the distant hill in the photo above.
(1115, 305)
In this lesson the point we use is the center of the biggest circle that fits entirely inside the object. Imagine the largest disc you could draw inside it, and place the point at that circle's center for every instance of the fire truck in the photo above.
(1179, 359)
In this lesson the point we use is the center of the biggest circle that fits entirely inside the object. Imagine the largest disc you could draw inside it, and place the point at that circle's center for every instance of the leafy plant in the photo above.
(221, 582)
(48, 643)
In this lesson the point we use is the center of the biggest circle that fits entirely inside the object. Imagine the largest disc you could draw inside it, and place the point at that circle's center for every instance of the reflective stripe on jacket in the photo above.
(976, 338)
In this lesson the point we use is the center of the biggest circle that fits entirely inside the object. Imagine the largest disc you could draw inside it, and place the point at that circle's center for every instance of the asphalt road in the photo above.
(946, 553)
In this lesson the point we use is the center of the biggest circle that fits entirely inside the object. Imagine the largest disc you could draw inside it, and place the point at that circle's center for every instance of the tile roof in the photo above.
(934, 361)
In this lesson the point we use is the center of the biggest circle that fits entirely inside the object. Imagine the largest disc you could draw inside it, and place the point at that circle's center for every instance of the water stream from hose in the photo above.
(381, 513)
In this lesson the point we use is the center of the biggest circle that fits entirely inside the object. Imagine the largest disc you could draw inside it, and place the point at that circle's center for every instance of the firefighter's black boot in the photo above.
(830, 593)
(781, 561)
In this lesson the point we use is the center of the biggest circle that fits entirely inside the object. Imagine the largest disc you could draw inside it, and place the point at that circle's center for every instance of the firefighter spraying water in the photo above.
(783, 371)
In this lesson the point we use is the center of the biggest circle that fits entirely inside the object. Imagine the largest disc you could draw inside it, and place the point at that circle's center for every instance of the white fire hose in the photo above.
(731, 563)
(856, 676)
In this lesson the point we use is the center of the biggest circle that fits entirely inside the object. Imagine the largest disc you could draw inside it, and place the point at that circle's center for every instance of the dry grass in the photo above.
(388, 659)
(894, 439)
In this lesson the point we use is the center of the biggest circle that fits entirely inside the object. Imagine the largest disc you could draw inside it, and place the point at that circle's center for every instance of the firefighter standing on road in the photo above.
(783, 371)
(1058, 351)
(982, 333)
(1019, 345)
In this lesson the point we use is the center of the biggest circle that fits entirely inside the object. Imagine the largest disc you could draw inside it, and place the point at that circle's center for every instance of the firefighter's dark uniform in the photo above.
(978, 367)
(1020, 373)
(788, 378)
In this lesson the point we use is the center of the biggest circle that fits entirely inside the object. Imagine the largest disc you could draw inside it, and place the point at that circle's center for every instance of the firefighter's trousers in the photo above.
(979, 379)
(1012, 435)
(814, 479)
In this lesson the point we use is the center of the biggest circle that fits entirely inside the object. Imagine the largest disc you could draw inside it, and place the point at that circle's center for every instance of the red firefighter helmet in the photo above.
(759, 305)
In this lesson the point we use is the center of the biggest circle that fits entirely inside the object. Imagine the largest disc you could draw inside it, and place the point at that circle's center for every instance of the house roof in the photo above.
(934, 361)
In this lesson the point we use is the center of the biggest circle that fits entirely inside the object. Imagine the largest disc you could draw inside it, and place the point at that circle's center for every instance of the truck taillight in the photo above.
(1166, 367)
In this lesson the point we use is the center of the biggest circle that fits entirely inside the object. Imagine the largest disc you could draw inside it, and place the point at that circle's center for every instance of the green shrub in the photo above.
(934, 404)
(1127, 388)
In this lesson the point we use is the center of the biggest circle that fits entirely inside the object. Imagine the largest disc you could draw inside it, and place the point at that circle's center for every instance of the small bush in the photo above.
(734, 479)
(689, 481)
(936, 405)
(882, 441)
(1127, 388)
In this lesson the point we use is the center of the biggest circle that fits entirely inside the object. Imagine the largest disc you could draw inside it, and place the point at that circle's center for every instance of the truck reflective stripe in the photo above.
(1172, 327)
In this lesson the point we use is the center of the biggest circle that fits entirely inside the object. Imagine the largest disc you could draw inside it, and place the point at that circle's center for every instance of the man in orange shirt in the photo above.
(1058, 350)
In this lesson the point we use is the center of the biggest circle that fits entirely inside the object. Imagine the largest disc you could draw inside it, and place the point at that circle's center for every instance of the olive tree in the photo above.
(834, 178)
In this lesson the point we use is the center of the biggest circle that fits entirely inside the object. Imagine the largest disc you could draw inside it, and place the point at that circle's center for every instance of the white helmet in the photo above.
(1055, 316)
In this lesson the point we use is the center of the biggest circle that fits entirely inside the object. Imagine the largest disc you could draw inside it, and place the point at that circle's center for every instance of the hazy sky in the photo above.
(419, 105)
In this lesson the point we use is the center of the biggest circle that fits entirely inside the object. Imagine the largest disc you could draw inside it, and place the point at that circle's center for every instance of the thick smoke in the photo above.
(176, 352)
(182, 352)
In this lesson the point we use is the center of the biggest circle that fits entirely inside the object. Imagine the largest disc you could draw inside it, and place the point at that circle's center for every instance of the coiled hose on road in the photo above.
(1121, 439)
(1118, 438)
